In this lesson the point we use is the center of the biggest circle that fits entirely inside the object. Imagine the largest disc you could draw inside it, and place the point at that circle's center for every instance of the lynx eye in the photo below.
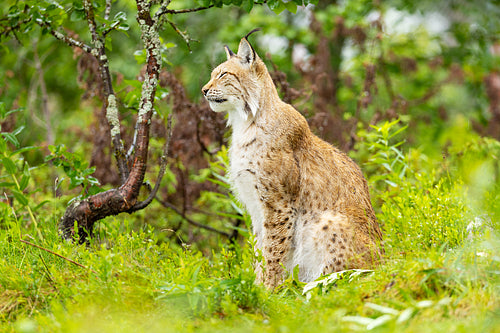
(222, 74)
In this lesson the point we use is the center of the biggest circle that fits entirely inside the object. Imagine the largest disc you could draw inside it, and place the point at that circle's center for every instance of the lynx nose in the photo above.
(204, 91)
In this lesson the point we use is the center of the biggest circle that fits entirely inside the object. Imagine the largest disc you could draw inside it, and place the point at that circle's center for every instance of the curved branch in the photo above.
(6, 30)
(122, 199)
(99, 51)
(182, 11)
(183, 215)
(164, 10)
(161, 173)
(184, 36)
(65, 38)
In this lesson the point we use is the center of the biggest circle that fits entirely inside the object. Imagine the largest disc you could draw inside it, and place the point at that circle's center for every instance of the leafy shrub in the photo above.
(424, 216)
(418, 209)
(14, 183)
(76, 169)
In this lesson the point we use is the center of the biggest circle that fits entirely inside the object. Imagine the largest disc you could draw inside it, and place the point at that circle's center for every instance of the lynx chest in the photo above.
(246, 156)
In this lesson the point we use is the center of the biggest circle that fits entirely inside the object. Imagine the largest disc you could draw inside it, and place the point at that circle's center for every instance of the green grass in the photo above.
(436, 277)
(136, 283)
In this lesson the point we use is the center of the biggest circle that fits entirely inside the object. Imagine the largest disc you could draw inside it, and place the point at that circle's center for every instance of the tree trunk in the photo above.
(83, 214)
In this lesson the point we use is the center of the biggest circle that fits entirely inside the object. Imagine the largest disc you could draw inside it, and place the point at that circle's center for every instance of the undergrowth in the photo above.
(441, 270)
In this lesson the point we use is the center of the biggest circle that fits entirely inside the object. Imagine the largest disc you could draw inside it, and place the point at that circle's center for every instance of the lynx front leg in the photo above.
(277, 244)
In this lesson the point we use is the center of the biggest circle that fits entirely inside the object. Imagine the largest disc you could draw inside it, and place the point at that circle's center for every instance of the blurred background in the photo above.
(411, 90)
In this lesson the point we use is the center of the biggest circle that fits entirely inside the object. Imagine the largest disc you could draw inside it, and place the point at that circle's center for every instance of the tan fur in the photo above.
(308, 201)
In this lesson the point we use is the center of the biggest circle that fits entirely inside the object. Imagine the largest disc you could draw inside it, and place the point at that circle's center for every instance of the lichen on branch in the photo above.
(112, 116)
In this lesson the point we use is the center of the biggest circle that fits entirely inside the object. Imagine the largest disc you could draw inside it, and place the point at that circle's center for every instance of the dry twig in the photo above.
(58, 255)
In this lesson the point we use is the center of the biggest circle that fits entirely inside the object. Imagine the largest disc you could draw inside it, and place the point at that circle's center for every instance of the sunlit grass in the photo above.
(440, 273)
(139, 285)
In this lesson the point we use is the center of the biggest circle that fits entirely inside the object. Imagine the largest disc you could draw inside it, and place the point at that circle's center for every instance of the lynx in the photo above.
(308, 201)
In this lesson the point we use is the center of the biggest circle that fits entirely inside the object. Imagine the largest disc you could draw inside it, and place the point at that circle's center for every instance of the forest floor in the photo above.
(129, 281)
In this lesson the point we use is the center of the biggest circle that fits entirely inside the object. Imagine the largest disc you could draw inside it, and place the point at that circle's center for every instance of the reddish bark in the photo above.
(123, 199)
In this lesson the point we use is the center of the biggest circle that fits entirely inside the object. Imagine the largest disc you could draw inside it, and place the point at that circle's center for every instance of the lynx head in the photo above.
(235, 85)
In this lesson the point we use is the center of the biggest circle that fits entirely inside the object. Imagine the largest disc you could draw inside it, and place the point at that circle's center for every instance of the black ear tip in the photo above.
(251, 32)
(228, 50)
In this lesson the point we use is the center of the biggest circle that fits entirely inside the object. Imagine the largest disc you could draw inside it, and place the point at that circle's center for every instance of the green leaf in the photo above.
(3, 146)
(291, 7)
(20, 197)
(92, 190)
(88, 171)
(247, 5)
(273, 4)
(363, 321)
(41, 204)
(393, 184)
(11, 138)
(77, 15)
(405, 315)
(26, 177)
(23, 150)
(398, 131)
(9, 165)
(18, 130)
(3, 110)
(24, 182)
(123, 27)
(120, 16)
(78, 4)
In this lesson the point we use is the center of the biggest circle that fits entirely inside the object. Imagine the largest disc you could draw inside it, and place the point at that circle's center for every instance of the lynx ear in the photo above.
(246, 52)
(229, 53)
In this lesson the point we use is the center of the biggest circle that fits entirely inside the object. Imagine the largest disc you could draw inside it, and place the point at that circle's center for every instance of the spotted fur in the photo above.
(308, 201)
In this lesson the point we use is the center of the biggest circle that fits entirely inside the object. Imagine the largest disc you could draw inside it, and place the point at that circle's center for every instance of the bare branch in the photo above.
(107, 9)
(183, 11)
(164, 10)
(161, 11)
(202, 144)
(111, 28)
(89, 11)
(207, 227)
(6, 30)
(99, 52)
(65, 38)
(386, 77)
(57, 254)
(184, 36)
(161, 173)
(234, 234)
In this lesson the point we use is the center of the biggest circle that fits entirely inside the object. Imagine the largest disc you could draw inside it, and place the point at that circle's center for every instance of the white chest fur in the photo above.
(243, 172)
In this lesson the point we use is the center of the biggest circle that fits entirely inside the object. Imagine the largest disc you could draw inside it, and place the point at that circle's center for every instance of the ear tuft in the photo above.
(229, 53)
(251, 32)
